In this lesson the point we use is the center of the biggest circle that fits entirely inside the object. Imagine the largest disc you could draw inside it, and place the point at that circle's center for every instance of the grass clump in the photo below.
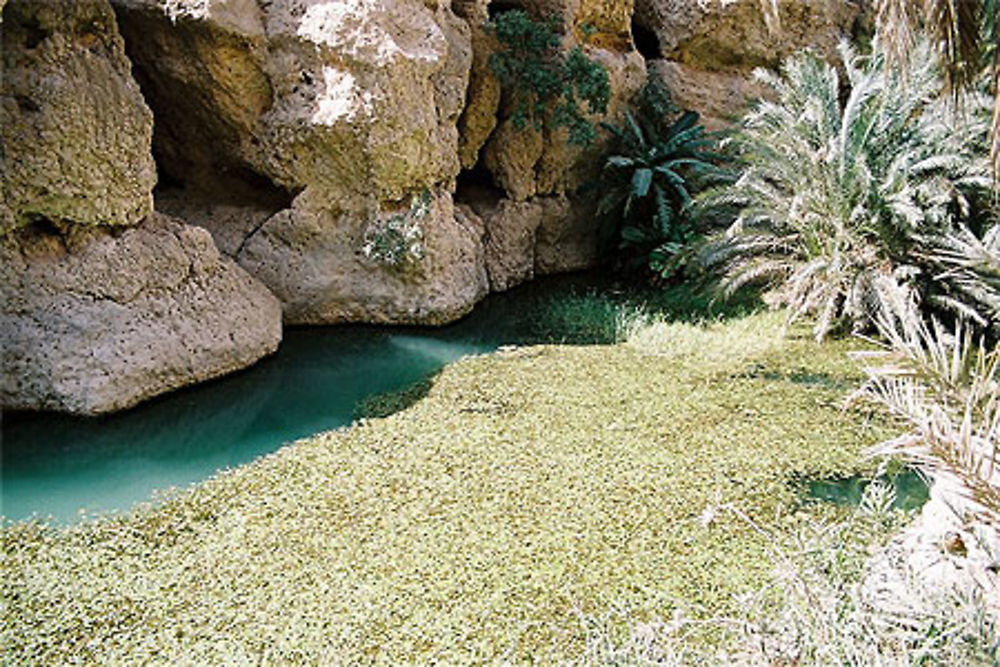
(613, 312)
(527, 486)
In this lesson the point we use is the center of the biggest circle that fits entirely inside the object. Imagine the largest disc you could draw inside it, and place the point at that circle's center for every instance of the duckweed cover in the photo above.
(526, 487)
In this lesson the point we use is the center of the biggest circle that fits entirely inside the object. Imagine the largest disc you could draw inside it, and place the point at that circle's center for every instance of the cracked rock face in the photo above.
(74, 129)
(351, 109)
(315, 261)
(97, 320)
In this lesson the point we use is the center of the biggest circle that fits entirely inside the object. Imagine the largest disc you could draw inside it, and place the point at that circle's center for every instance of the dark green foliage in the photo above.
(389, 403)
(547, 84)
(661, 158)
(604, 313)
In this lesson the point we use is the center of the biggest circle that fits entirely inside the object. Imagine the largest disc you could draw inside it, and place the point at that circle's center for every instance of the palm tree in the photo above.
(967, 36)
(837, 198)
(661, 157)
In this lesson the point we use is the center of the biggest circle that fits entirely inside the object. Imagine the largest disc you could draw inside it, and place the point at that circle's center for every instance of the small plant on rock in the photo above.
(398, 241)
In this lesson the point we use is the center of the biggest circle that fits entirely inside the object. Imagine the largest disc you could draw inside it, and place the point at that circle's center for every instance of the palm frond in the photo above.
(946, 386)
(852, 186)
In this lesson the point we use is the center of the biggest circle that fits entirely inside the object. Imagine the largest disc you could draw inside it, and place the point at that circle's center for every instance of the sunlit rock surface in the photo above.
(332, 118)
(705, 50)
(94, 320)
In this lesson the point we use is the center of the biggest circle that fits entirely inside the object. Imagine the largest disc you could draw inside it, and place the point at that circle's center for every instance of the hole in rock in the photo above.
(475, 187)
(498, 7)
(34, 33)
(43, 226)
(646, 42)
(26, 104)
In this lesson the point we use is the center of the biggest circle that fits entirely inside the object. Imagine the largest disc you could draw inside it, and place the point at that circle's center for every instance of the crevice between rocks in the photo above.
(646, 41)
(202, 177)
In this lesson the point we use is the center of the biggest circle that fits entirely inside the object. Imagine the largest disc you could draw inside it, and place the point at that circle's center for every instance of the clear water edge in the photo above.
(62, 469)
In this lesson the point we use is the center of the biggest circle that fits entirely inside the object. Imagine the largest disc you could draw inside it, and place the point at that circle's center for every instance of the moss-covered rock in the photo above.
(75, 133)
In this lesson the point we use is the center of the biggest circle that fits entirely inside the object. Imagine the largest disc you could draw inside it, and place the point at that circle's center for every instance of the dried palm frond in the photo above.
(946, 387)
(955, 25)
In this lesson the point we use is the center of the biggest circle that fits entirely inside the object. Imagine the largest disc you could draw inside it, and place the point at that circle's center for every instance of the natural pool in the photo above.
(59, 466)
(65, 467)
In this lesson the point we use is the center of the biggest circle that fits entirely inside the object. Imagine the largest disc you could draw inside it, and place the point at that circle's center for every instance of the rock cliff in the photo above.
(359, 158)
(74, 129)
(102, 302)
(343, 113)
(97, 320)
(705, 49)
(313, 124)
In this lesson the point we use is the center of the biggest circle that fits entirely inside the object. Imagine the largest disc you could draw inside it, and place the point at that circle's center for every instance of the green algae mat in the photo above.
(526, 488)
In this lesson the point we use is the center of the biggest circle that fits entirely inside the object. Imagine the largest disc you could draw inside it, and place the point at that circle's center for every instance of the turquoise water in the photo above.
(60, 466)
(910, 488)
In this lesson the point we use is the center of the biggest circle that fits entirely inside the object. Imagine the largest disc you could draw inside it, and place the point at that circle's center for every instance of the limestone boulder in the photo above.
(414, 261)
(721, 35)
(720, 97)
(94, 320)
(509, 228)
(567, 238)
(708, 49)
(307, 123)
(538, 236)
(74, 129)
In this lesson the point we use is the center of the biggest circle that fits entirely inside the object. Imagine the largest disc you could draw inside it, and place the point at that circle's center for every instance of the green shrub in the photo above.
(660, 156)
(548, 85)
(846, 184)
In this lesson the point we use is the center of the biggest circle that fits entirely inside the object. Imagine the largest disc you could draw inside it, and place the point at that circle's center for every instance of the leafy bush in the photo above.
(837, 197)
(547, 83)
(661, 156)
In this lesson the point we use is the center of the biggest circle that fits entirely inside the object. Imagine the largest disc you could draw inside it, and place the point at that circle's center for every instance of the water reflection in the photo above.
(57, 465)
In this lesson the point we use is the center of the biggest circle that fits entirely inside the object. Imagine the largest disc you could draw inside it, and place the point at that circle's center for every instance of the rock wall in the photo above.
(531, 226)
(706, 49)
(349, 108)
(60, 159)
(313, 123)
(103, 303)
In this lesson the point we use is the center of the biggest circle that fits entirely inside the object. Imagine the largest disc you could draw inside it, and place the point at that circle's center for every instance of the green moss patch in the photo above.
(526, 486)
